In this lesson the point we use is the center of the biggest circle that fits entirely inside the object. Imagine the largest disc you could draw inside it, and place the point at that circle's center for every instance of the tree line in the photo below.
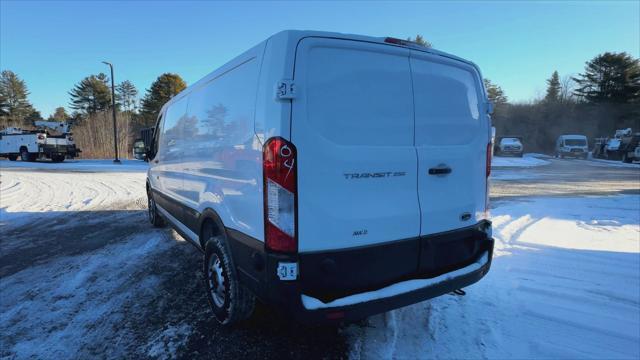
(596, 102)
(90, 104)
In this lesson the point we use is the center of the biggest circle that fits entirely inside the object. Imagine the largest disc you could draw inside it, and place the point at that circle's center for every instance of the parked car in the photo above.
(344, 176)
(509, 145)
(576, 146)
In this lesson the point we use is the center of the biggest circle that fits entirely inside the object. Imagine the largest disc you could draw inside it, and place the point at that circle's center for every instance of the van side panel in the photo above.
(273, 116)
(222, 156)
(352, 122)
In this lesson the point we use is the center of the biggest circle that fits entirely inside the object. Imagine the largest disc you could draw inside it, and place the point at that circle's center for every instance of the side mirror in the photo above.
(489, 107)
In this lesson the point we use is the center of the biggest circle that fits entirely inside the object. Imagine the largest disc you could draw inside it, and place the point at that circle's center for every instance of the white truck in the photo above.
(509, 145)
(575, 146)
(51, 140)
(332, 176)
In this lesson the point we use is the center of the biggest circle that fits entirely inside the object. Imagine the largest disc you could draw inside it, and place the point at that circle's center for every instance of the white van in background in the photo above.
(332, 176)
(572, 146)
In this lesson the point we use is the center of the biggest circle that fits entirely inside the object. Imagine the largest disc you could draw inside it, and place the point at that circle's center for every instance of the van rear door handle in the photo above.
(440, 170)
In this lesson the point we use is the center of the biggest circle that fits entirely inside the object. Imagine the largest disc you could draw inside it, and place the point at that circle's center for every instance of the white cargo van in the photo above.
(572, 146)
(332, 176)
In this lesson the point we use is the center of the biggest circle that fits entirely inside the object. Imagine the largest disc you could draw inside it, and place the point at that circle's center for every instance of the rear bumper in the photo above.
(338, 286)
(575, 153)
(402, 294)
(64, 150)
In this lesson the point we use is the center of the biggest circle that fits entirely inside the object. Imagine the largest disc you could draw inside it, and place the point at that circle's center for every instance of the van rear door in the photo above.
(451, 138)
(352, 122)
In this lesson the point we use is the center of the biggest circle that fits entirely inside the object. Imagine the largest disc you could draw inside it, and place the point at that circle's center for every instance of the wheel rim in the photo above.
(216, 281)
(152, 209)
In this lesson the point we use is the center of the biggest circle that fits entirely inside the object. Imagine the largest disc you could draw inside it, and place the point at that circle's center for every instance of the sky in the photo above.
(53, 45)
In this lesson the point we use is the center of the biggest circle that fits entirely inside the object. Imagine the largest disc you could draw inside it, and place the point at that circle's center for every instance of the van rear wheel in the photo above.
(152, 211)
(230, 301)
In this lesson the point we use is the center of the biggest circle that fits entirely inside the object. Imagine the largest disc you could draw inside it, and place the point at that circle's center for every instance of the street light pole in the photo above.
(113, 108)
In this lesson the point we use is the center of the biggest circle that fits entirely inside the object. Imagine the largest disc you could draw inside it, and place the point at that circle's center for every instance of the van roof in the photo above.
(294, 36)
(300, 34)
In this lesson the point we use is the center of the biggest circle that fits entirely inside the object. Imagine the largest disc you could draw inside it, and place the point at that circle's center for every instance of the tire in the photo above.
(24, 154)
(230, 301)
(625, 158)
(13, 157)
(57, 158)
(152, 212)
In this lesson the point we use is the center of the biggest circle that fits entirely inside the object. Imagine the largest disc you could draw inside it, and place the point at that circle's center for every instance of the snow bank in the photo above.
(528, 160)
(564, 283)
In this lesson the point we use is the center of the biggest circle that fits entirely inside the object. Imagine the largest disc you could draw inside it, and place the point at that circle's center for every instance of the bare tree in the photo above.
(567, 87)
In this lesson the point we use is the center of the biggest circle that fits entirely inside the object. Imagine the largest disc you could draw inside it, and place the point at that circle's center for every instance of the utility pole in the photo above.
(113, 108)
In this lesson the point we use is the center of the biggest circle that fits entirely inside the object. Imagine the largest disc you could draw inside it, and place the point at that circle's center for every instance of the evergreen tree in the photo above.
(34, 115)
(554, 88)
(4, 106)
(126, 94)
(495, 93)
(60, 114)
(419, 39)
(162, 90)
(610, 77)
(15, 106)
(91, 94)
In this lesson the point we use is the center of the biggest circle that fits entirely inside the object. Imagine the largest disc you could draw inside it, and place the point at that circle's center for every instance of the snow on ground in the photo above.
(79, 165)
(79, 297)
(528, 160)
(23, 193)
(564, 283)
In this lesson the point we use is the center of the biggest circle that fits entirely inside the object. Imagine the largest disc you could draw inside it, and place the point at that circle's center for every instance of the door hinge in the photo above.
(285, 90)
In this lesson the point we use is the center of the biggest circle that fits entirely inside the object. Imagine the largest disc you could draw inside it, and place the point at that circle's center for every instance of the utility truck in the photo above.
(331, 176)
(50, 140)
(624, 145)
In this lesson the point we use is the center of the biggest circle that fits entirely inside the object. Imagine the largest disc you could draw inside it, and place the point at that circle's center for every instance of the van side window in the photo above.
(156, 135)
(446, 101)
(172, 142)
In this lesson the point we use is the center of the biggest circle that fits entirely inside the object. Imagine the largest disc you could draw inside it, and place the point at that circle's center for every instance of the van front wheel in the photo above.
(230, 301)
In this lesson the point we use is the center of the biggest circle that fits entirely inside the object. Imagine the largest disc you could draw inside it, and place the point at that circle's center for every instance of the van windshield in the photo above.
(575, 142)
(510, 141)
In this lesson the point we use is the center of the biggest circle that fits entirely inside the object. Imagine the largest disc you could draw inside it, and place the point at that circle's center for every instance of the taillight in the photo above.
(280, 195)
